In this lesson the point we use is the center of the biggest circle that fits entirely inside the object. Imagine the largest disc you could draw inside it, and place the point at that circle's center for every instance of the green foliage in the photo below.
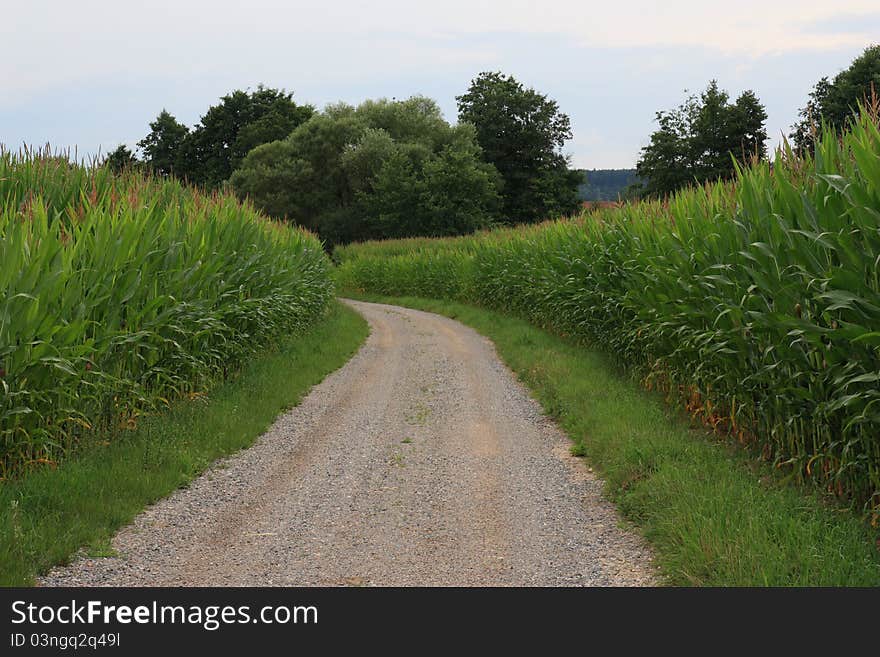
(301, 178)
(415, 120)
(383, 169)
(450, 193)
(757, 305)
(117, 293)
(521, 132)
(238, 124)
(163, 147)
(835, 101)
(121, 159)
(699, 141)
(747, 133)
(209, 153)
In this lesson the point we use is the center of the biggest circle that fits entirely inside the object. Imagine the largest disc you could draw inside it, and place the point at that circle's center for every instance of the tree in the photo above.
(711, 141)
(463, 190)
(238, 124)
(273, 175)
(163, 147)
(397, 200)
(121, 159)
(451, 192)
(225, 134)
(700, 140)
(417, 119)
(521, 133)
(836, 101)
(309, 165)
(382, 169)
(748, 125)
(667, 163)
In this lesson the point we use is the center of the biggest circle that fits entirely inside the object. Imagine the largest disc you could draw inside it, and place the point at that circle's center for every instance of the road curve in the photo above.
(422, 461)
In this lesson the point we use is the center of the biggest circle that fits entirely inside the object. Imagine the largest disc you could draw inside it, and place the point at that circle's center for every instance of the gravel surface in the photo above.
(423, 461)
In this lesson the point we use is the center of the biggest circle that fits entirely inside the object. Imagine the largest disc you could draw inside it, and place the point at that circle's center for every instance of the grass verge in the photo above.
(714, 514)
(47, 516)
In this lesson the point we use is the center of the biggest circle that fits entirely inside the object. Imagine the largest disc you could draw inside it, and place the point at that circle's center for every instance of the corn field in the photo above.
(755, 304)
(120, 293)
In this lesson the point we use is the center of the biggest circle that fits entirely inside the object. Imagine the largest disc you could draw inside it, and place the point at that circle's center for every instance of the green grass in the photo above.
(715, 516)
(48, 515)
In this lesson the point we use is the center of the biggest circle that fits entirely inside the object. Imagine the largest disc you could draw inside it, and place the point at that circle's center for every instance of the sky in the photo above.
(92, 74)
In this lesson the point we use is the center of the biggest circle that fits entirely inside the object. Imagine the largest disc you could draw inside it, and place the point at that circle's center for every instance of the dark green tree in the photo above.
(748, 129)
(711, 139)
(308, 165)
(235, 126)
(121, 159)
(419, 193)
(464, 190)
(397, 200)
(163, 146)
(836, 101)
(700, 140)
(383, 169)
(522, 133)
(274, 176)
(668, 162)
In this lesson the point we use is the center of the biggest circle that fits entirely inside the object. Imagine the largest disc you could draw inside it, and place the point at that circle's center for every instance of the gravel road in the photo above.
(423, 461)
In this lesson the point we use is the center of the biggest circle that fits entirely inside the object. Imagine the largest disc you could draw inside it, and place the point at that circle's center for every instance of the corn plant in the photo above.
(755, 304)
(121, 293)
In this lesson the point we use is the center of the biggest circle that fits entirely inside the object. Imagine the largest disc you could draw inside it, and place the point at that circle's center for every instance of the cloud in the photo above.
(862, 26)
(57, 42)
(95, 72)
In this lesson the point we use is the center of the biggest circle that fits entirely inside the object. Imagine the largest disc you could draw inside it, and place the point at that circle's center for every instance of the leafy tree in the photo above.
(700, 140)
(398, 199)
(451, 192)
(121, 159)
(836, 101)
(363, 160)
(748, 127)
(521, 133)
(238, 124)
(225, 134)
(711, 141)
(382, 169)
(309, 164)
(417, 119)
(667, 163)
(162, 148)
(273, 176)
(463, 189)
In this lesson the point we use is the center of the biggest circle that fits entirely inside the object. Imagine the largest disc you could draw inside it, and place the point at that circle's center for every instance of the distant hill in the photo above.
(605, 184)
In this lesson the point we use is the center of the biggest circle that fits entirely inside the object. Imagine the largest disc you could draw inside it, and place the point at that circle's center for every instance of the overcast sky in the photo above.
(93, 73)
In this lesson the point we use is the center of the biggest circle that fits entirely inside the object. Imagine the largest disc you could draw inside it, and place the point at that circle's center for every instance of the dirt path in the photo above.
(421, 462)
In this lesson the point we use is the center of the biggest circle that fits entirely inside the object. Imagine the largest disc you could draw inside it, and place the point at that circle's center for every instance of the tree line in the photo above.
(607, 184)
(385, 168)
(708, 135)
(397, 168)
(209, 153)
